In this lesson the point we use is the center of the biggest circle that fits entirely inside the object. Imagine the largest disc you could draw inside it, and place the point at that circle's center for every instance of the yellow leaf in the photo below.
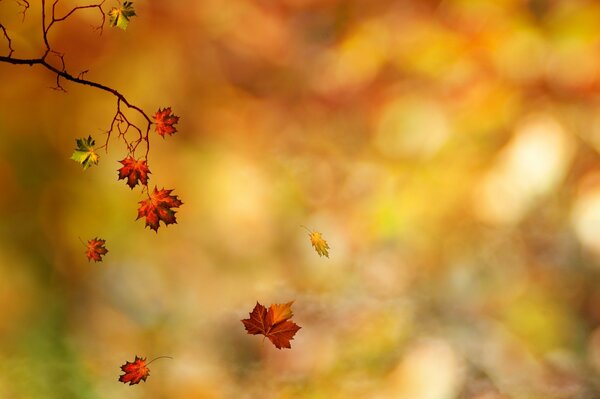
(318, 242)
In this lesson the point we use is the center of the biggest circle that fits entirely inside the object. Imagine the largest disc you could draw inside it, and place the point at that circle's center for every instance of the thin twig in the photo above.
(25, 5)
(68, 76)
(10, 48)
(160, 357)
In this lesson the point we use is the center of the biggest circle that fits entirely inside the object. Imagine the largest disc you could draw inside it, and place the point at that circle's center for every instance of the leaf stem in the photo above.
(160, 357)
(306, 228)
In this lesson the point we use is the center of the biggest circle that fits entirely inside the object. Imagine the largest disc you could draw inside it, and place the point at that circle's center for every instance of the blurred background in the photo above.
(447, 150)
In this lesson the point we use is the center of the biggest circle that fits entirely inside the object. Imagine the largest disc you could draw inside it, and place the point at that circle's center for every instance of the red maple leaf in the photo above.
(273, 323)
(134, 372)
(158, 207)
(95, 249)
(164, 120)
(137, 370)
(135, 171)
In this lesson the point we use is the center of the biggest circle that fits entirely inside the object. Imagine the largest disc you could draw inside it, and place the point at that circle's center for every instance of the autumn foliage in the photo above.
(119, 16)
(84, 153)
(159, 207)
(135, 371)
(273, 323)
(165, 121)
(95, 249)
(318, 242)
(135, 171)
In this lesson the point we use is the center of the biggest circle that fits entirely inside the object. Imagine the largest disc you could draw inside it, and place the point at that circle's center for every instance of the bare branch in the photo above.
(10, 48)
(73, 10)
(61, 57)
(58, 86)
(82, 74)
(25, 5)
(120, 122)
(44, 31)
(54, 19)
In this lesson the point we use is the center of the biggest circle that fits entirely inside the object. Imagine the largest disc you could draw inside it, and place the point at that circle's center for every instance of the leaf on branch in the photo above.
(273, 323)
(135, 371)
(319, 243)
(95, 249)
(159, 207)
(84, 152)
(165, 120)
(119, 16)
(135, 171)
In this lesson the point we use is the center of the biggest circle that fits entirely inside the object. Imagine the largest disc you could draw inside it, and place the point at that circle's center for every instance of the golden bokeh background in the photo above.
(447, 150)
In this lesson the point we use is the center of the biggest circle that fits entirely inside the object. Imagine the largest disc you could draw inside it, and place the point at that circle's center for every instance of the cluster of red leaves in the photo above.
(135, 371)
(95, 249)
(273, 323)
(164, 120)
(158, 207)
(160, 203)
(135, 171)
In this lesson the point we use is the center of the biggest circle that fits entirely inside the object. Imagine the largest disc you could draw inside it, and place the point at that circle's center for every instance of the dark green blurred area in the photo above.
(447, 150)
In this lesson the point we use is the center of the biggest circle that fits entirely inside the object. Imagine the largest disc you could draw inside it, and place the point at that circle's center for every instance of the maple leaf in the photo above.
(273, 323)
(135, 171)
(95, 249)
(135, 371)
(165, 120)
(84, 152)
(158, 207)
(119, 16)
(318, 242)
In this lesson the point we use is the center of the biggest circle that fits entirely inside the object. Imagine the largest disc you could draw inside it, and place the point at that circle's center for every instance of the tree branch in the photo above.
(10, 48)
(25, 5)
(128, 131)
(54, 20)
(120, 121)
(68, 76)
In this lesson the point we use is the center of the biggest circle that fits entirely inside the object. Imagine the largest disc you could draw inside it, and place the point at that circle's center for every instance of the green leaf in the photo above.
(84, 153)
(119, 16)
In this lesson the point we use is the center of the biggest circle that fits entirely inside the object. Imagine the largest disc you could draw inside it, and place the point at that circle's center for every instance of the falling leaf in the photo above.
(119, 16)
(137, 370)
(95, 249)
(158, 207)
(165, 120)
(134, 372)
(84, 152)
(318, 242)
(135, 171)
(273, 323)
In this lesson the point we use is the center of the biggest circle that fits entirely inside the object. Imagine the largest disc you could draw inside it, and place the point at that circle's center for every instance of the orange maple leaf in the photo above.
(158, 207)
(138, 370)
(164, 120)
(135, 371)
(135, 171)
(95, 249)
(273, 323)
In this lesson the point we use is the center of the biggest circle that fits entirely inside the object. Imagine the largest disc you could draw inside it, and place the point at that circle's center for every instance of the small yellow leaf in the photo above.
(319, 243)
